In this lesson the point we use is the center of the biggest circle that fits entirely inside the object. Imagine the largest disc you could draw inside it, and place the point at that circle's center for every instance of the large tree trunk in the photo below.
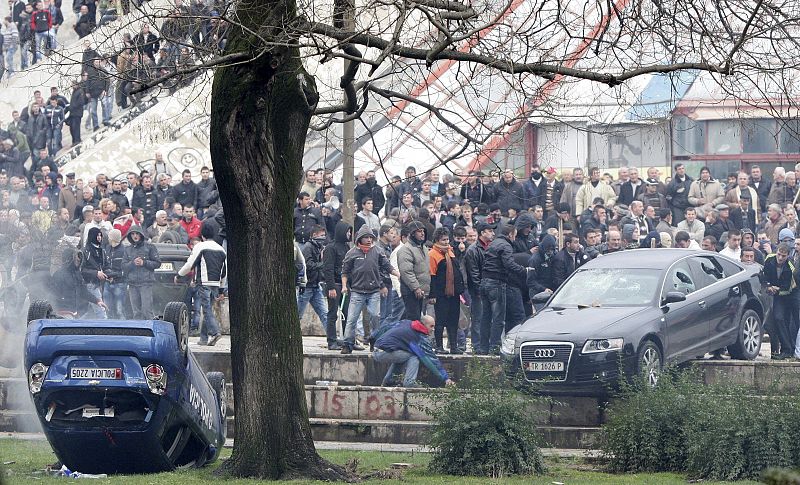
(260, 113)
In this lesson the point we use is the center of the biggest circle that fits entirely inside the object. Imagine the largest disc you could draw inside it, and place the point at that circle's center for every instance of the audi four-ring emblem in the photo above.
(544, 353)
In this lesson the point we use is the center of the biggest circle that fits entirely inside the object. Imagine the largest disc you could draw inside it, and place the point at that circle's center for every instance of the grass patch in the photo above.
(30, 457)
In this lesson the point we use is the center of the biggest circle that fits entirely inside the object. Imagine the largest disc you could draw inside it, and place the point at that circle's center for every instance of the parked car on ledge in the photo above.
(633, 312)
(122, 396)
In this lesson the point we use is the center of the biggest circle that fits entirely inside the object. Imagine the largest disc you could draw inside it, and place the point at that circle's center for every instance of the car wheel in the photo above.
(39, 309)
(217, 381)
(649, 362)
(748, 340)
(177, 314)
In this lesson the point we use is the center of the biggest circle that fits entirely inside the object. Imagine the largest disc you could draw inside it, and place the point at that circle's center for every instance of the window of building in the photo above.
(688, 136)
(759, 136)
(724, 137)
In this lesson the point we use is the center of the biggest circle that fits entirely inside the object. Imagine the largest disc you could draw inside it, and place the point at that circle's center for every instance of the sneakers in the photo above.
(212, 340)
(346, 349)
(334, 346)
(358, 346)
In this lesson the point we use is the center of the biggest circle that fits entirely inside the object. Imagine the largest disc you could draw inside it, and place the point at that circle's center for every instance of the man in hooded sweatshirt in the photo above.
(115, 285)
(415, 276)
(362, 271)
(93, 269)
(140, 263)
(332, 258)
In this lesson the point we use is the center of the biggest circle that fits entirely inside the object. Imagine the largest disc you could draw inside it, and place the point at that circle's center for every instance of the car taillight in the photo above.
(36, 376)
(156, 379)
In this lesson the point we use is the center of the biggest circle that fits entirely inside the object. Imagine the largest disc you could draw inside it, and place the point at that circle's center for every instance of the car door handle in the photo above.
(702, 304)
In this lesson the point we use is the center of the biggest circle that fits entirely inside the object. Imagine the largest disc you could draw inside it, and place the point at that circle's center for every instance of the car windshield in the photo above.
(608, 287)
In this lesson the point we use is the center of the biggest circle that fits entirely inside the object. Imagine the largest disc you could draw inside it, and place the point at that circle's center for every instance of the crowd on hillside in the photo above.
(490, 241)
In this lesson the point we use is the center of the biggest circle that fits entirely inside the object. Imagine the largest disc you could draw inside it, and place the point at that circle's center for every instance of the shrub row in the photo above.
(718, 432)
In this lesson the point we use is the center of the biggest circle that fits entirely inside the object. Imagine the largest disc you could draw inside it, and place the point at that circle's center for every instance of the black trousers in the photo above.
(74, 123)
(333, 314)
(413, 304)
(448, 309)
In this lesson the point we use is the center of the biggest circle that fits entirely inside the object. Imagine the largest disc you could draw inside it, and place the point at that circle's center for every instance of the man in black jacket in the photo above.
(678, 193)
(370, 188)
(499, 268)
(778, 279)
(146, 197)
(97, 86)
(186, 191)
(509, 193)
(568, 259)
(95, 263)
(473, 262)
(207, 193)
(118, 196)
(306, 216)
(75, 111)
(332, 257)
(36, 131)
(313, 291)
(114, 290)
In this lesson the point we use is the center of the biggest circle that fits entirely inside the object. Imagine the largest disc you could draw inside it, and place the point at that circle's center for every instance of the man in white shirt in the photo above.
(733, 248)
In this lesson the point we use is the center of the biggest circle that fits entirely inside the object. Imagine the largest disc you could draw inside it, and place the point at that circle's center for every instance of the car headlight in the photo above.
(36, 376)
(593, 346)
(507, 346)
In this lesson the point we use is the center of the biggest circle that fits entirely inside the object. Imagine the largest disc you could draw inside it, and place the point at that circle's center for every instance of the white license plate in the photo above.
(165, 267)
(95, 413)
(545, 366)
(94, 373)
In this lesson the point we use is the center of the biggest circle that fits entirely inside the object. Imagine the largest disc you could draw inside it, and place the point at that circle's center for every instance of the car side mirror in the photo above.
(541, 297)
(673, 297)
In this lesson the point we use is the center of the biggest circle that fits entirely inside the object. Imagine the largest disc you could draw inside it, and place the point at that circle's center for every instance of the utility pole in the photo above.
(348, 136)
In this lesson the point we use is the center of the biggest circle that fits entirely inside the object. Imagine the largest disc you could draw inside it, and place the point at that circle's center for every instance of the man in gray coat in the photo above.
(140, 263)
(415, 273)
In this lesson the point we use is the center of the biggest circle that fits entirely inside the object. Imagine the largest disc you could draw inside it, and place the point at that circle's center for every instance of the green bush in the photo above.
(780, 476)
(720, 432)
(484, 429)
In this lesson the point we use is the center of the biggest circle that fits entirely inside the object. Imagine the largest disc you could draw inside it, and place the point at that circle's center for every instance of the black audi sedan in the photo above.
(632, 312)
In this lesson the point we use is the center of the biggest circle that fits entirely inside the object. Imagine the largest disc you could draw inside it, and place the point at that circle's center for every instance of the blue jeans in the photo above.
(397, 360)
(10, 51)
(493, 293)
(94, 311)
(41, 38)
(93, 112)
(318, 302)
(357, 302)
(107, 105)
(392, 308)
(475, 316)
(114, 297)
(54, 139)
(210, 324)
(24, 49)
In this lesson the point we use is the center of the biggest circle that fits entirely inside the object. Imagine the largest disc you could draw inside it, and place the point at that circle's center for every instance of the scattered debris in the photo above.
(6, 463)
(384, 475)
(352, 465)
(402, 465)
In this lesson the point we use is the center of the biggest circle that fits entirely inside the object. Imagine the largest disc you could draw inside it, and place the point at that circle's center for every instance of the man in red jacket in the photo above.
(192, 224)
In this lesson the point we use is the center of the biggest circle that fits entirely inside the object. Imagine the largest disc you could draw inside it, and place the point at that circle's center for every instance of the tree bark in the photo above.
(260, 112)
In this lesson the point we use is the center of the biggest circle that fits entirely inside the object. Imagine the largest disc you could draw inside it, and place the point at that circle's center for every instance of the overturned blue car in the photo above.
(123, 396)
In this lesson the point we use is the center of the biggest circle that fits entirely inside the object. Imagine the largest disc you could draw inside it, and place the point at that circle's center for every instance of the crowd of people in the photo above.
(88, 244)
(486, 244)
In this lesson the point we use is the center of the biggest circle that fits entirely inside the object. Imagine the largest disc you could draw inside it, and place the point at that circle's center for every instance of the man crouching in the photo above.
(405, 344)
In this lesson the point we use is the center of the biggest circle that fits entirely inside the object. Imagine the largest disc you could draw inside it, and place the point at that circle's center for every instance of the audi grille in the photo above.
(540, 360)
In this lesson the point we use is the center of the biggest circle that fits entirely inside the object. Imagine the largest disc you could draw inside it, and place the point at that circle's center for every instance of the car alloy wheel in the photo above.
(651, 365)
(751, 335)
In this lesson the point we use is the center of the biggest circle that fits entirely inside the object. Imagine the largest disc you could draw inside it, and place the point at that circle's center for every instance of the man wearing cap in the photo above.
(705, 193)
(721, 223)
(363, 268)
(630, 190)
(473, 264)
(68, 198)
(651, 197)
